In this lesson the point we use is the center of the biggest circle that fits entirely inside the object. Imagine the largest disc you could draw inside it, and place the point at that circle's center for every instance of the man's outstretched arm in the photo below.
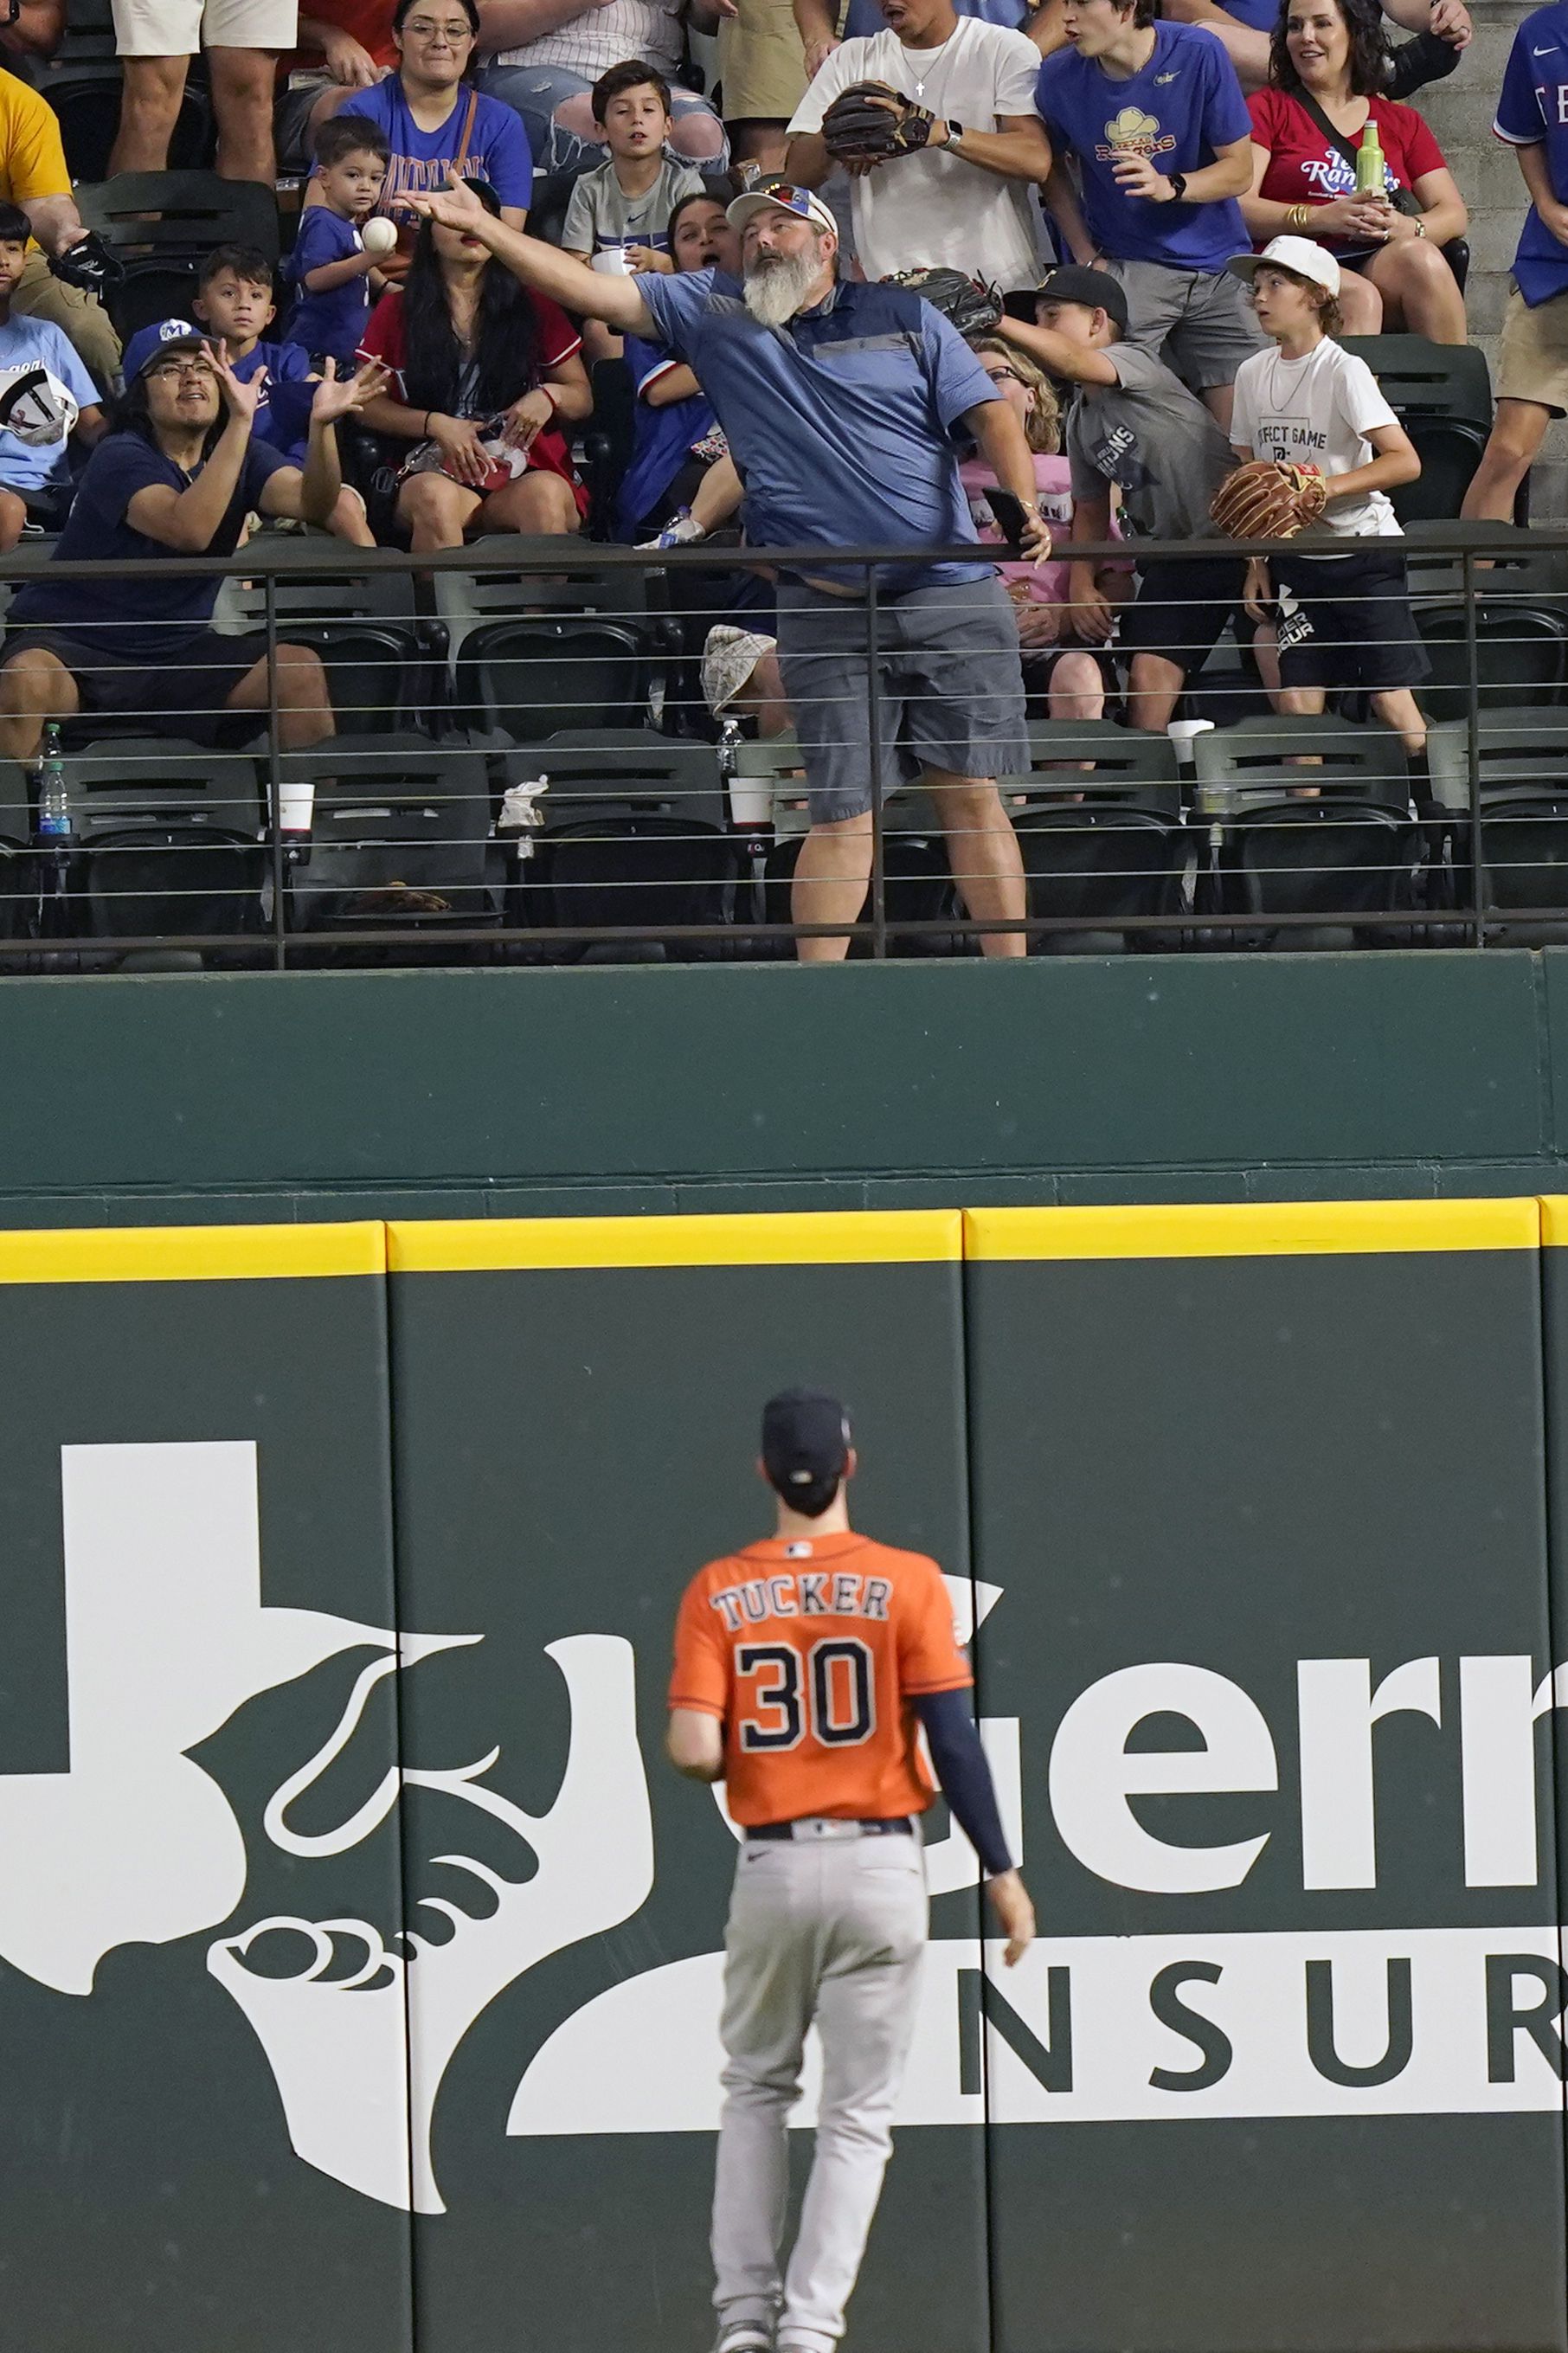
(571, 283)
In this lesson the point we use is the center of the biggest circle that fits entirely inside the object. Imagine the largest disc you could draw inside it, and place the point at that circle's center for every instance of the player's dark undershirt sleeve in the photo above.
(964, 1775)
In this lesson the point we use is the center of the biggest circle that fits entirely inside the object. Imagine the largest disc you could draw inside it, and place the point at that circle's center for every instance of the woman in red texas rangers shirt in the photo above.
(1332, 53)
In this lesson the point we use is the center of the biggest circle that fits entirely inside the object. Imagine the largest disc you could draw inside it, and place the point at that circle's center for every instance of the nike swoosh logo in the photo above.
(1549, 51)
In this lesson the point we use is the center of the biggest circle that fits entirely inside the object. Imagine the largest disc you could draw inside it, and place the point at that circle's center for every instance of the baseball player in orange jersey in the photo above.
(804, 1667)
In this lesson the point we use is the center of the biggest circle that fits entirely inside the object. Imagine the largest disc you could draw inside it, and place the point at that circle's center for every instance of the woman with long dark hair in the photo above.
(485, 374)
(1326, 71)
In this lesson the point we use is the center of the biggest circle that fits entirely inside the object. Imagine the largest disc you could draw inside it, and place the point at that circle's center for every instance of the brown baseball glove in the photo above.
(870, 121)
(1262, 501)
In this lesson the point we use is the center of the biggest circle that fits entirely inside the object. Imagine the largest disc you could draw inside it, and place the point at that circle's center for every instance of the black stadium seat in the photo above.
(1099, 842)
(167, 838)
(159, 226)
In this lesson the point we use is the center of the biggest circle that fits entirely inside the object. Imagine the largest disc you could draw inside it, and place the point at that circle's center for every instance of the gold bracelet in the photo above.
(1296, 216)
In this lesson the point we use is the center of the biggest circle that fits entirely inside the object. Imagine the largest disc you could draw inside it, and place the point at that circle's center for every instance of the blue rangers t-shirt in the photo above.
(664, 435)
(334, 322)
(841, 422)
(1185, 105)
(1534, 111)
(497, 150)
(283, 411)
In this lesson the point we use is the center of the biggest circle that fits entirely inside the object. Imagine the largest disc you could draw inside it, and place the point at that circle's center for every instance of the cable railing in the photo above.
(554, 750)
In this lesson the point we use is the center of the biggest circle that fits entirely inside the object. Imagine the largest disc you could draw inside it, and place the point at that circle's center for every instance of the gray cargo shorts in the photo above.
(1203, 325)
(951, 690)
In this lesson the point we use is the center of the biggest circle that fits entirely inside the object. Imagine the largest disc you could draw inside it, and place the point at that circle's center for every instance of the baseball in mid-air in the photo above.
(378, 235)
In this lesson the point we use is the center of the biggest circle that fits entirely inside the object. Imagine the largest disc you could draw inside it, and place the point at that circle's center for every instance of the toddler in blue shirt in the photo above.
(329, 268)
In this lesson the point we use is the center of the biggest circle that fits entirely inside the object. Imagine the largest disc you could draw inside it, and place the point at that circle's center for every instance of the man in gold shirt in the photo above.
(66, 267)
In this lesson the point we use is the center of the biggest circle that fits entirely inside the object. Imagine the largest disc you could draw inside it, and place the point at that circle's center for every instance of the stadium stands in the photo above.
(654, 829)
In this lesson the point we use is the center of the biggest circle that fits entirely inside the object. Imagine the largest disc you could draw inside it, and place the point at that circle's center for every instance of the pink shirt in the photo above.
(1047, 583)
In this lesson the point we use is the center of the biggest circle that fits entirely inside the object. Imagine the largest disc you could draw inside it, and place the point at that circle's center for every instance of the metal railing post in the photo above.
(1473, 751)
(275, 782)
(874, 747)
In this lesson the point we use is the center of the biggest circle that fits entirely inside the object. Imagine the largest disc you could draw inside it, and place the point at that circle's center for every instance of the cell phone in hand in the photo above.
(1011, 516)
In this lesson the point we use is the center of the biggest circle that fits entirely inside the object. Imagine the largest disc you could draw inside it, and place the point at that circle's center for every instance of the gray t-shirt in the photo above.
(1152, 436)
(600, 213)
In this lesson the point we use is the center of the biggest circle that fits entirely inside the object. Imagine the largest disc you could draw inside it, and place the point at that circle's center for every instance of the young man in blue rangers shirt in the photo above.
(840, 403)
(1532, 359)
(1154, 116)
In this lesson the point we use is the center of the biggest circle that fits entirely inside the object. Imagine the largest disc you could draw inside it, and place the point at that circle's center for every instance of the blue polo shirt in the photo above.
(1532, 111)
(1185, 104)
(841, 422)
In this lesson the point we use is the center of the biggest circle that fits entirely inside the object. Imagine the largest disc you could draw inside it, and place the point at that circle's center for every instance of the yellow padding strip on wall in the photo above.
(819, 1238)
(193, 1253)
(1254, 1230)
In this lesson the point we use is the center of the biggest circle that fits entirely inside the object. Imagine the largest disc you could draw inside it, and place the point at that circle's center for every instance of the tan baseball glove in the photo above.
(1263, 500)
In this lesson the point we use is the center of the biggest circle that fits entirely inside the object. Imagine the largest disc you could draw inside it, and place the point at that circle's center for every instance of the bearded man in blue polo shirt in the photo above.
(1154, 116)
(841, 404)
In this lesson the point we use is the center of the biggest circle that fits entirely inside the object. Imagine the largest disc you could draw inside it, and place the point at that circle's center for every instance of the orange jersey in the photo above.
(810, 1652)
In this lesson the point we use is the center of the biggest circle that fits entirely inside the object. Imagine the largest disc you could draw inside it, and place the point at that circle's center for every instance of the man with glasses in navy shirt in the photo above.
(841, 404)
(1154, 116)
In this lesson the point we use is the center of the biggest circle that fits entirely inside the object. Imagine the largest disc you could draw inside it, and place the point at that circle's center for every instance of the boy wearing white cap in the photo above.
(1344, 614)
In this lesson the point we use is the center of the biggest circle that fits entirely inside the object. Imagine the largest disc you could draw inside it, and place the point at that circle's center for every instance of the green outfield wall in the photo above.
(722, 1087)
(359, 1957)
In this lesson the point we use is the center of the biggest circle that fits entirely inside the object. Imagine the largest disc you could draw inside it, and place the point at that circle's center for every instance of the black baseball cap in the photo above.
(805, 1440)
(1095, 289)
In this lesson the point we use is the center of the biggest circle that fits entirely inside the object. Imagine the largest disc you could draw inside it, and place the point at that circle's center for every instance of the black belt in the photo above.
(819, 1826)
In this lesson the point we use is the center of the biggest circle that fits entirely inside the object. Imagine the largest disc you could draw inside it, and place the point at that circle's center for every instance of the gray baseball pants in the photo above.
(827, 1930)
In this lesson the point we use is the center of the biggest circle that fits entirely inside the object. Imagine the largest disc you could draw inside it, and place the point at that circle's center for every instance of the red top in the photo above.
(558, 340)
(1303, 169)
(369, 22)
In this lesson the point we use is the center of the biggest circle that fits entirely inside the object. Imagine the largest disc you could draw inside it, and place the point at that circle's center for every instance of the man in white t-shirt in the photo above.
(961, 200)
(1343, 613)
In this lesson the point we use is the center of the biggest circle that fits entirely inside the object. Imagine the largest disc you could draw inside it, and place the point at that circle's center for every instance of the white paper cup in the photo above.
(612, 263)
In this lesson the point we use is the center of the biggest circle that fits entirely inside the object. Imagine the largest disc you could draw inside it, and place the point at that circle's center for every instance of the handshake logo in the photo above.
(167, 1638)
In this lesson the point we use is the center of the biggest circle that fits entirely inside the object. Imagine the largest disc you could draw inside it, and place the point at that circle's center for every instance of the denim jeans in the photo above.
(535, 93)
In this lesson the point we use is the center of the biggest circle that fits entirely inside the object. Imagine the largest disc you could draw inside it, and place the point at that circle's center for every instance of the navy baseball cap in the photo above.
(806, 1439)
(165, 334)
(1095, 289)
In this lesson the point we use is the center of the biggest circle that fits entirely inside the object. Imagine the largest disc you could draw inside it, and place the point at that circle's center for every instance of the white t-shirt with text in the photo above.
(1317, 411)
(933, 210)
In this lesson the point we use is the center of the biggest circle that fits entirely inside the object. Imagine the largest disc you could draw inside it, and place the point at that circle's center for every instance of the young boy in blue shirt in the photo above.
(234, 303)
(1154, 116)
(1532, 358)
(329, 268)
(48, 393)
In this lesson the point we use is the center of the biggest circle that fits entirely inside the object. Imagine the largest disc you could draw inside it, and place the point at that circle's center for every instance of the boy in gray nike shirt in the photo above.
(1134, 424)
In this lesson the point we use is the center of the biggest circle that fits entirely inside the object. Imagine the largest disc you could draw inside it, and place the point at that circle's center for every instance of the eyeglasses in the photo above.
(423, 30)
(1004, 375)
(167, 370)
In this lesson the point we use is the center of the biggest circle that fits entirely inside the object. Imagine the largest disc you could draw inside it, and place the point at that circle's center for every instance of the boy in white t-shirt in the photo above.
(1343, 619)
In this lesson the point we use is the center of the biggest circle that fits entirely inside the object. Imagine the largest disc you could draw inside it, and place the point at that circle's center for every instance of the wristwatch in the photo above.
(1178, 186)
(1420, 226)
(955, 133)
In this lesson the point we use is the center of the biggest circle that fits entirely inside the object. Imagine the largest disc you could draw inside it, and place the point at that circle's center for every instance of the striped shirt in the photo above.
(601, 38)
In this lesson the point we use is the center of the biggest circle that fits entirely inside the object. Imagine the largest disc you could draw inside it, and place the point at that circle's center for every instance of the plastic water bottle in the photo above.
(54, 807)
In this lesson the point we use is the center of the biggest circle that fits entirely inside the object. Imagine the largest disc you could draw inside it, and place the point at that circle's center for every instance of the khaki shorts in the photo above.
(1533, 357)
(178, 29)
(761, 62)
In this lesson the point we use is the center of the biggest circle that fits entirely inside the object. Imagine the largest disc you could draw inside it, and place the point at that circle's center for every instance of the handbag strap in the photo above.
(1404, 200)
(461, 157)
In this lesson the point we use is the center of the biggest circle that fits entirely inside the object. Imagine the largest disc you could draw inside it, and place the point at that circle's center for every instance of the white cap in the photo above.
(1297, 253)
(805, 203)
